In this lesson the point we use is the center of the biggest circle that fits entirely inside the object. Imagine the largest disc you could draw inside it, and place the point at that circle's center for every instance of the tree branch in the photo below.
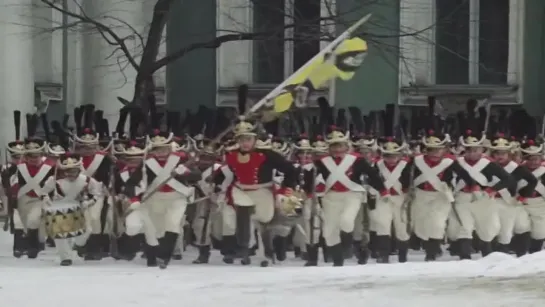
(100, 27)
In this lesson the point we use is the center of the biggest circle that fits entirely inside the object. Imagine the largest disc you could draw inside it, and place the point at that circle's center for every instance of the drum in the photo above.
(64, 220)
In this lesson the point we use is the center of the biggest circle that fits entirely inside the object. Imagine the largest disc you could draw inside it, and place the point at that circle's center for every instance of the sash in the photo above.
(32, 183)
(337, 173)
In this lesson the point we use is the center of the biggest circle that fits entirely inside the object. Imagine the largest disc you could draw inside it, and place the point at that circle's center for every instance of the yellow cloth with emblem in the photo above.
(323, 69)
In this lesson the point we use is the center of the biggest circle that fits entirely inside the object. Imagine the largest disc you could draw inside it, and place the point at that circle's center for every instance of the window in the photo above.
(307, 31)
(269, 16)
(294, 27)
(472, 41)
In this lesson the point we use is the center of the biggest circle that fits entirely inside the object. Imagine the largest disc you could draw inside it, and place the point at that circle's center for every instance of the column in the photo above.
(75, 77)
(17, 72)
(105, 79)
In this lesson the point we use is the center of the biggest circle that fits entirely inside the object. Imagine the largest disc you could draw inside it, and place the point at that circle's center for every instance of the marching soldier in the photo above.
(433, 199)
(396, 172)
(16, 152)
(69, 186)
(514, 220)
(342, 199)
(475, 209)
(32, 173)
(96, 163)
(311, 223)
(532, 149)
(137, 217)
(206, 213)
(167, 194)
(223, 179)
(252, 192)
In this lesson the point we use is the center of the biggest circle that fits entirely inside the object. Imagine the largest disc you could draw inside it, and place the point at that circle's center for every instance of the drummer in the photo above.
(68, 194)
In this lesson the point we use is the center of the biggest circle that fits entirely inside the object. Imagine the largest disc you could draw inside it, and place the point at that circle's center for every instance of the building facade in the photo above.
(486, 48)
(454, 49)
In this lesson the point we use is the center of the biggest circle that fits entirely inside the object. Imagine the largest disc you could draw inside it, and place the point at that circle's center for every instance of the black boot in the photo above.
(361, 252)
(312, 255)
(50, 242)
(393, 244)
(19, 243)
(280, 245)
(229, 249)
(337, 253)
(454, 248)
(92, 248)
(402, 251)
(243, 232)
(297, 252)
(431, 247)
(325, 250)
(372, 244)
(485, 248)
(128, 246)
(204, 255)
(521, 244)
(502, 248)
(465, 248)
(166, 248)
(536, 246)
(383, 249)
(151, 255)
(66, 262)
(105, 245)
(415, 243)
(476, 243)
(346, 242)
(33, 243)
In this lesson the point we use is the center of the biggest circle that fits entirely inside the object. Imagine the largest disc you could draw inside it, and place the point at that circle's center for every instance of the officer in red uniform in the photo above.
(252, 192)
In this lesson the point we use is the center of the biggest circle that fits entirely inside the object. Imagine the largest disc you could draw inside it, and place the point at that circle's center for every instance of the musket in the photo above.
(314, 207)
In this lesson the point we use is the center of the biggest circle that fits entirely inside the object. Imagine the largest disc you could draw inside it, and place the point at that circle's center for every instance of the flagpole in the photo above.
(275, 92)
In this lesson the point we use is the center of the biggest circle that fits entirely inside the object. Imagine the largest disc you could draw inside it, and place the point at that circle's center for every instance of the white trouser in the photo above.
(362, 225)
(138, 221)
(513, 220)
(93, 214)
(64, 248)
(429, 214)
(87, 214)
(312, 231)
(17, 221)
(202, 223)
(339, 214)
(229, 220)
(216, 224)
(166, 211)
(536, 210)
(262, 200)
(388, 212)
(480, 215)
(109, 222)
(30, 212)
(179, 247)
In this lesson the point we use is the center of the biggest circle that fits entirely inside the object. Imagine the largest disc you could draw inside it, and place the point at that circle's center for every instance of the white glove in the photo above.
(47, 201)
(386, 198)
(135, 205)
(87, 203)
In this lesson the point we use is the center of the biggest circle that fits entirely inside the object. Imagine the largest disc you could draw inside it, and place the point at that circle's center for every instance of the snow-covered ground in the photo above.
(497, 280)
